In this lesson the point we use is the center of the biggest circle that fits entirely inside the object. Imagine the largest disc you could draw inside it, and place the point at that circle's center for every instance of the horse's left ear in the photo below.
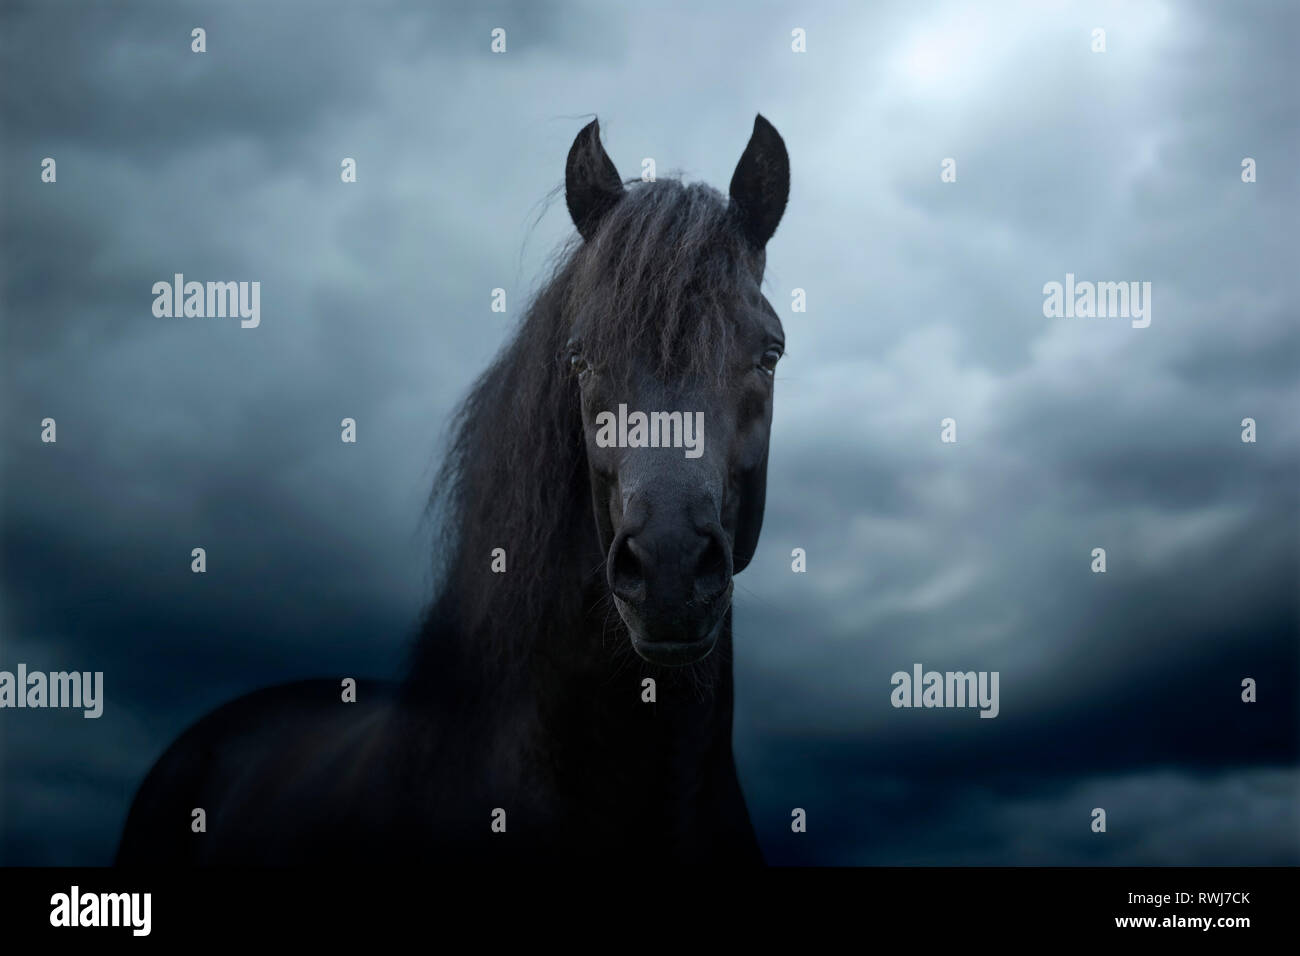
(591, 183)
(760, 185)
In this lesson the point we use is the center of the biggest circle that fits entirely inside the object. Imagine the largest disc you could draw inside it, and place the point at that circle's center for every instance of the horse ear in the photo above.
(591, 183)
(760, 185)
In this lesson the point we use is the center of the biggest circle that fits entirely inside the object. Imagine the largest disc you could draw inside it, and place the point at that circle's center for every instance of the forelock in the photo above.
(658, 283)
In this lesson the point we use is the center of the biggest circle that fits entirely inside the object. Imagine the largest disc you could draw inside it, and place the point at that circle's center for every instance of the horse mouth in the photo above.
(673, 653)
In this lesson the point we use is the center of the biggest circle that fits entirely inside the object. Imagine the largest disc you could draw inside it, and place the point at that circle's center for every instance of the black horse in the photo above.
(569, 695)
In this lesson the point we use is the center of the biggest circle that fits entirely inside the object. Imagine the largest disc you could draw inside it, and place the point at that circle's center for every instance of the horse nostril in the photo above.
(626, 574)
(712, 570)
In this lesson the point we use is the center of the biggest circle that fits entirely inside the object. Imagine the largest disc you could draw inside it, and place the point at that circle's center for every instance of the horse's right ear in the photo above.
(591, 183)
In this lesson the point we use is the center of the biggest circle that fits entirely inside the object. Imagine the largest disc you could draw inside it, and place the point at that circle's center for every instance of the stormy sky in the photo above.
(924, 301)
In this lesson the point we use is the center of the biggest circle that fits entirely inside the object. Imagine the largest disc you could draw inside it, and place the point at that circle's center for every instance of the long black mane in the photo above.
(656, 281)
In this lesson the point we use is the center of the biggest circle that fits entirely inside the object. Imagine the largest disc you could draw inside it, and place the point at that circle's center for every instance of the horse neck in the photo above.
(589, 697)
(592, 720)
(562, 685)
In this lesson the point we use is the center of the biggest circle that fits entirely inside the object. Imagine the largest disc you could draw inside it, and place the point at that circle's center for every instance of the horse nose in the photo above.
(712, 567)
(684, 568)
(627, 577)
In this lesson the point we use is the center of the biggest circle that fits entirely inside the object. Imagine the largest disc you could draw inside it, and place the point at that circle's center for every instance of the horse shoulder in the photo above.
(275, 756)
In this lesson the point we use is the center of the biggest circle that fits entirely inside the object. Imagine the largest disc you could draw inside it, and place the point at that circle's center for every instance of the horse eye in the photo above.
(577, 362)
(770, 358)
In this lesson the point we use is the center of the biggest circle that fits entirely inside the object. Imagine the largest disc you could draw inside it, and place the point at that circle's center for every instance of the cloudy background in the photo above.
(924, 300)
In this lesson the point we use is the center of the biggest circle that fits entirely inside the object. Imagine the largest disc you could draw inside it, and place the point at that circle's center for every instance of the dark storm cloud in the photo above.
(122, 79)
(1117, 690)
(872, 815)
